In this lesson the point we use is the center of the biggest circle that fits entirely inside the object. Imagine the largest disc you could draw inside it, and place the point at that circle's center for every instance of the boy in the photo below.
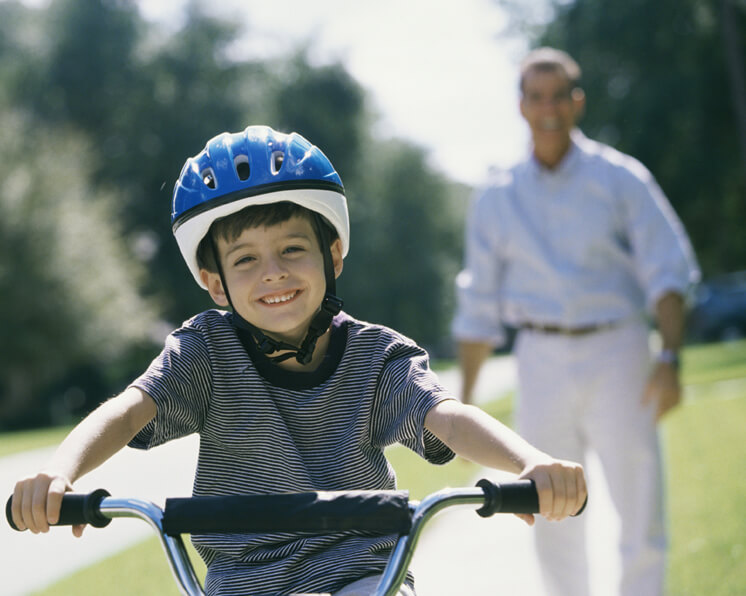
(287, 392)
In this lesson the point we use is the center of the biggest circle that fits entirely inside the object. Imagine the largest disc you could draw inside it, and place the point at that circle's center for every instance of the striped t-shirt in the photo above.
(264, 430)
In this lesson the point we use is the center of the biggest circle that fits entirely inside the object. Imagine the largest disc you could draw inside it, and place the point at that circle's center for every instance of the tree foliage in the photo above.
(406, 225)
(70, 294)
(327, 105)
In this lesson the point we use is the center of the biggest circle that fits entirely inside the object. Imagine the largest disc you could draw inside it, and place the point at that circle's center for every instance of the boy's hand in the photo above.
(37, 501)
(561, 487)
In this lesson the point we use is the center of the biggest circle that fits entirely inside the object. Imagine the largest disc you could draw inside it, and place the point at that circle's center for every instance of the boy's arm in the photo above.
(477, 436)
(37, 499)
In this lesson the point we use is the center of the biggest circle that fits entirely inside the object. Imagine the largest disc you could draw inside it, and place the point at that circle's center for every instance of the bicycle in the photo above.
(385, 512)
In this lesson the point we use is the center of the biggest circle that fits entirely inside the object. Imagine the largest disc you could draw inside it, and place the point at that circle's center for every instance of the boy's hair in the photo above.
(551, 60)
(232, 226)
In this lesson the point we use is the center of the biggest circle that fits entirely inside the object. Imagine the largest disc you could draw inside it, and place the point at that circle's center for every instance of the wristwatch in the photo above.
(669, 357)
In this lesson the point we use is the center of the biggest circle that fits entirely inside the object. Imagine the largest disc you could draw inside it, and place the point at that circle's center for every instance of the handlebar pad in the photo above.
(76, 509)
(384, 512)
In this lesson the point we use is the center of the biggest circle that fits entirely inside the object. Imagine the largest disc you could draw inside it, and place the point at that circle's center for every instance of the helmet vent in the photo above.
(243, 169)
(208, 177)
(277, 158)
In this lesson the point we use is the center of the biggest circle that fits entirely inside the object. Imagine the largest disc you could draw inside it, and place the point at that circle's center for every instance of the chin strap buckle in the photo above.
(332, 305)
(265, 345)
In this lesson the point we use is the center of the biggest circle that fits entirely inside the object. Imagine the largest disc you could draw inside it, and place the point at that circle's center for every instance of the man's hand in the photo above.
(663, 389)
(561, 487)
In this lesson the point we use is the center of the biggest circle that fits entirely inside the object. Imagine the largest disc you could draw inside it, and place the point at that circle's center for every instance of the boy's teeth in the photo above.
(275, 299)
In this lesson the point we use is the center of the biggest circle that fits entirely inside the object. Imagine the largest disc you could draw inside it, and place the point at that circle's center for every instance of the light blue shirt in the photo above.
(592, 241)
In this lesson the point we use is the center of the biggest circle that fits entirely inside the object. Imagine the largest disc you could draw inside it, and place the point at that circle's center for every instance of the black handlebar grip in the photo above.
(512, 497)
(83, 509)
(76, 509)
(582, 508)
(8, 514)
(519, 496)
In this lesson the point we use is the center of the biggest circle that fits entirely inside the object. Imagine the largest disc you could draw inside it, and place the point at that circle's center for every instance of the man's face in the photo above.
(551, 109)
(275, 277)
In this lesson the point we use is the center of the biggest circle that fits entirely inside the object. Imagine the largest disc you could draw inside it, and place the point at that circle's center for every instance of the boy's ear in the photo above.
(214, 287)
(337, 260)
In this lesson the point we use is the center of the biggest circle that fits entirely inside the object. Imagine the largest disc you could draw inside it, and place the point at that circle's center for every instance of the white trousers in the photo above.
(580, 394)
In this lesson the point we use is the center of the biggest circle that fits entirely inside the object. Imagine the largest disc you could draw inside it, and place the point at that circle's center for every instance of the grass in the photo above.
(26, 440)
(714, 362)
(141, 570)
(705, 452)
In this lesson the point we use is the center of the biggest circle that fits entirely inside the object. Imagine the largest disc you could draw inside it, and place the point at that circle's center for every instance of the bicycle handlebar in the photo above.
(384, 512)
(388, 512)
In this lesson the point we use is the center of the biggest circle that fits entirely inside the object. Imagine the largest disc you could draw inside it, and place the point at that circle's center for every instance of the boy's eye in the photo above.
(291, 249)
(243, 260)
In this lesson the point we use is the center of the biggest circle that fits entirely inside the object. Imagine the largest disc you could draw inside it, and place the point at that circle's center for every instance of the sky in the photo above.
(444, 79)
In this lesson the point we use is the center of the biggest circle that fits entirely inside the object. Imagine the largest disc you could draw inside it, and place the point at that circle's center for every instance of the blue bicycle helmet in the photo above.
(253, 167)
(256, 167)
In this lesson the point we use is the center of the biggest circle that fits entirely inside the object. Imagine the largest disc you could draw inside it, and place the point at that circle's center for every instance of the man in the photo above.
(572, 247)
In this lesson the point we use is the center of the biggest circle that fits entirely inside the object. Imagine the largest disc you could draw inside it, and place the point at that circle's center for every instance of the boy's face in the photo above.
(275, 277)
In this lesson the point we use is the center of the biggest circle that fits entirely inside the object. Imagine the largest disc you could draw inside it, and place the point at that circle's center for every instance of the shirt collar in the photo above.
(300, 380)
(568, 162)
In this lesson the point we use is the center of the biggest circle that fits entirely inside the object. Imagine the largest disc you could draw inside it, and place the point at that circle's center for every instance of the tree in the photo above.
(90, 65)
(406, 227)
(70, 292)
(327, 105)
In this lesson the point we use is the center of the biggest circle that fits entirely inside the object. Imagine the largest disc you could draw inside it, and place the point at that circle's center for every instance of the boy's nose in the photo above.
(274, 270)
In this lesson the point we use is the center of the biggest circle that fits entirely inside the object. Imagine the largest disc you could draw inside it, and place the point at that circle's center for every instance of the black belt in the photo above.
(571, 331)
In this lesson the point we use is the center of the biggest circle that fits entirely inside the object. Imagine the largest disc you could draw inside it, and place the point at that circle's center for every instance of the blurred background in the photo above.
(102, 101)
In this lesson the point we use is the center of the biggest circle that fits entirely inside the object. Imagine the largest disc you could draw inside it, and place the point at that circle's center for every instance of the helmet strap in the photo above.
(330, 305)
(320, 323)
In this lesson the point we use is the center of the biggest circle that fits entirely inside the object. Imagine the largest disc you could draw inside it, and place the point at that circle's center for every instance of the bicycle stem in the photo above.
(173, 546)
(422, 512)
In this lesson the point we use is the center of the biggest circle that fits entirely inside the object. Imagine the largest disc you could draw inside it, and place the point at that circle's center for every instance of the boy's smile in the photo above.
(279, 299)
(275, 277)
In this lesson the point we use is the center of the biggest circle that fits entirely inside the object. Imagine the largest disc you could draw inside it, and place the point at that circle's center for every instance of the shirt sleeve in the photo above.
(477, 315)
(661, 249)
(179, 382)
(406, 391)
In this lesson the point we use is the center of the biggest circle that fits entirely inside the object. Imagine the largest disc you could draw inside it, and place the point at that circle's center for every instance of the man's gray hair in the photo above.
(548, 59)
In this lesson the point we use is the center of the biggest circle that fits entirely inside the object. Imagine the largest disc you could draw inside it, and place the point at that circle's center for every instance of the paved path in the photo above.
(38, 561)
(461, 553)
